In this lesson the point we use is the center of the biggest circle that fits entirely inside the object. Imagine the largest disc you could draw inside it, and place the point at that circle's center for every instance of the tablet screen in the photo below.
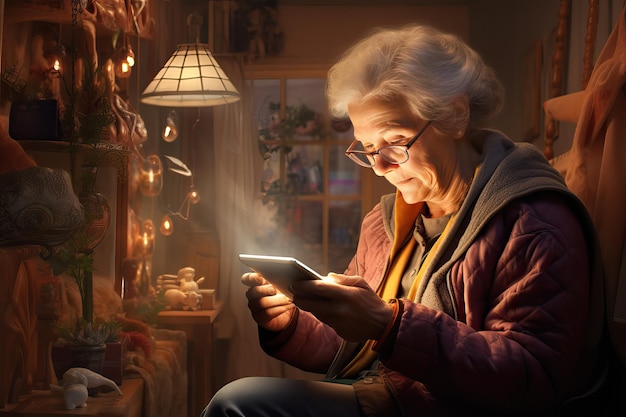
(281, 271)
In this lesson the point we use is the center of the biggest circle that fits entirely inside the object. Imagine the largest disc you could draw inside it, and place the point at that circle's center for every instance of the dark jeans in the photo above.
(281, 397)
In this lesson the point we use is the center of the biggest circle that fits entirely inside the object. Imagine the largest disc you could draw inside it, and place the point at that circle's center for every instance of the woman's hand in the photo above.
(270, 308)
(346, 303)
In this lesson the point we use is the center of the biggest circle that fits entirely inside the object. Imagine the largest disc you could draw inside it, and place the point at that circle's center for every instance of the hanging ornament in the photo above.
(194, 196)
(130, 55)
(151, 176)
(167, 226)
(170, 131)
(124, 59)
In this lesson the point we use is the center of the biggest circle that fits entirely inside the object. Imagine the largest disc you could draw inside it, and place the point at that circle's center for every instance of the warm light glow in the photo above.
(130, 56)
(194, 196)
(109, 69)
(54, 55)
(144, 243)
(148, 228)
(124, 62)
(122, 69)
(167, 227)
(151, 176)
(190, 78)
(170, 131)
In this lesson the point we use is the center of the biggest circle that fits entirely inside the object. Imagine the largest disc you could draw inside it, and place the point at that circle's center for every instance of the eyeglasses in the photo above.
(393, 154)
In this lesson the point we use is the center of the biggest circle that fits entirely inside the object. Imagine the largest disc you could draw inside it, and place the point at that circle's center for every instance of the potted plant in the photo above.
(84, 344)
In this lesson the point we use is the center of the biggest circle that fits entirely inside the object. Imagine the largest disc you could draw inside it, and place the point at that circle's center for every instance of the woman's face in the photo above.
(431, 173)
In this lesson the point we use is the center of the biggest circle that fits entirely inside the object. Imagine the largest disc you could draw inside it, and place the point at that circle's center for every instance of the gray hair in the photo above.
(421, 66)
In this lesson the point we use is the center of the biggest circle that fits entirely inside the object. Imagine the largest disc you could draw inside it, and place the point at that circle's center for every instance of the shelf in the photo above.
(48, 403)
(60, 146)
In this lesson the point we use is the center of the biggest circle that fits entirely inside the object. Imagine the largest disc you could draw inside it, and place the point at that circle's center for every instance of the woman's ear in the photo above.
(461, 116)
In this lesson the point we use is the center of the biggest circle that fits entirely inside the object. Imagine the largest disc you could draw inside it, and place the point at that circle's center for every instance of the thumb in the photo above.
(349, 280)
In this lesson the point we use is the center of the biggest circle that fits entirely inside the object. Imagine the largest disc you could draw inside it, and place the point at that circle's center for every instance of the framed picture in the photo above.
(531, 84)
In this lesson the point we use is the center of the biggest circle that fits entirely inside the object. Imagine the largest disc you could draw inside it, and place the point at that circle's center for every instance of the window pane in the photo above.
(305, 103)
(344, 175)
(344, 224)
(304, 170)
(306, 222)
(293, 228)
(267, 115)
(267, 108)
(304, 232)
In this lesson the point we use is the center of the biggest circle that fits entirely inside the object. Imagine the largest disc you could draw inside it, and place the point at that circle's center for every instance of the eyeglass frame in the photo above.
(404, 148)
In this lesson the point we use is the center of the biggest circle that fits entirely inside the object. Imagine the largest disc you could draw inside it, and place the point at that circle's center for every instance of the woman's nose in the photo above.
(381, 167)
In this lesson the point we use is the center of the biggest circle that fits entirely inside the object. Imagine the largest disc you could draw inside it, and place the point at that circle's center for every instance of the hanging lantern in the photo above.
(170, 131)
(167, 226)
(194, 196)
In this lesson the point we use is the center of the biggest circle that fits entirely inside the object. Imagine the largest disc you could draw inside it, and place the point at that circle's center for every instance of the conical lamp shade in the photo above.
(190, 78)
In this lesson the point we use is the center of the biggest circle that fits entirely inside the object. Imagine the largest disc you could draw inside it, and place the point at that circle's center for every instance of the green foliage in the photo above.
(296, 117)
(73, 259)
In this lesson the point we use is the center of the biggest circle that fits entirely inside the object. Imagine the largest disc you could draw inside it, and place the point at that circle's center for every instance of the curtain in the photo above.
(238, 164)
(596, 172)
(594, 166)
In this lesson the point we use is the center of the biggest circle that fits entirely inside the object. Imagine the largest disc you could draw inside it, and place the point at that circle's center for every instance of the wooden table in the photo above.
(200, 330)
(39, 403)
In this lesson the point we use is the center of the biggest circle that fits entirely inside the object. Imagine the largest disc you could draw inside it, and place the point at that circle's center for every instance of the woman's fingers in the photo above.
(252, 279)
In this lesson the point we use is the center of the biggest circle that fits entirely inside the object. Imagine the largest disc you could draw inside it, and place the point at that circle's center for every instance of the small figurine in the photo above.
(186, 278)
(177, 300)
(256, 29)
(186, 295)
(76, 382)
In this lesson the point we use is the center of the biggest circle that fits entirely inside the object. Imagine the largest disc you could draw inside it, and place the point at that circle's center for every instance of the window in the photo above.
(310, 190)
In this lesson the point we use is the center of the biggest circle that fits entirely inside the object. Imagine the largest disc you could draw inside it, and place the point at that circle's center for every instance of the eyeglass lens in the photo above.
(391, 154)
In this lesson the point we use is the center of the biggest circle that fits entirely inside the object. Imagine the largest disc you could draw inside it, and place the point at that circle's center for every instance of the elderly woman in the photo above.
(472, 288)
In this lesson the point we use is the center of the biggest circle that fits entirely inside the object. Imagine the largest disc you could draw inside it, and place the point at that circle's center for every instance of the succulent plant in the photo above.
(90, 333)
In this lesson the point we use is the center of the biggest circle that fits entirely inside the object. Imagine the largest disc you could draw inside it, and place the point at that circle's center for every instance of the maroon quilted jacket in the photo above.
(507, 318)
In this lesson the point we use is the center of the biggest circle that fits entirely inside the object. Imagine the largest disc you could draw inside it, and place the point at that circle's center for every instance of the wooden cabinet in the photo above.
(199, 326)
